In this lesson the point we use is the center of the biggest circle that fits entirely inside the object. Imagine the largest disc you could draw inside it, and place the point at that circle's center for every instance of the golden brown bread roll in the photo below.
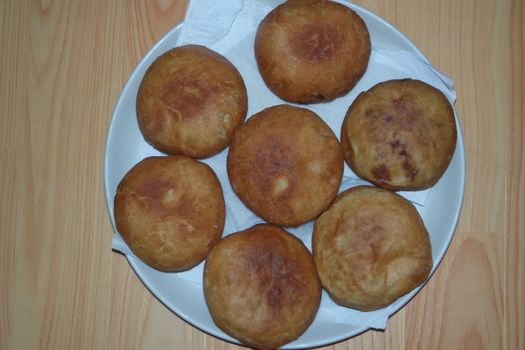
(312, 50)
(170, 211)
(285, 164)
(190, 102)
(400, 135)
(370, 247)
(261, 286)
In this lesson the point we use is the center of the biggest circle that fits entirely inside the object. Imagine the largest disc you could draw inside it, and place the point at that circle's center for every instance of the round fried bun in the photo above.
(370, 247)
(285, 164)
(190, 102)
(261, 286)
(170, 211)
(400, 135)
(312, 50)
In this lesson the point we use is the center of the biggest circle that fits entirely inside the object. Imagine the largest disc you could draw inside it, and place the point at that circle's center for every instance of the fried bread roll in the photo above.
(261, 286)
(370, 247)
(285, 164)
(312, 50)
(190, 102)
(170, 211)
(400, 135)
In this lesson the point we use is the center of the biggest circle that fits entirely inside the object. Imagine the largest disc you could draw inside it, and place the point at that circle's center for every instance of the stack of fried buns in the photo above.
(369, 245)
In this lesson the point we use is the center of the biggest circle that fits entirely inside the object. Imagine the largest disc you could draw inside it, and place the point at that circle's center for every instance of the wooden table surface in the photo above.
(63, 65)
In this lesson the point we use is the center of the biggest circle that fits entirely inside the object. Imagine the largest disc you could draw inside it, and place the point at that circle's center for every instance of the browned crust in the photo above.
(261, 286)
(285, 164)
(370, 247)
(170, 211)
(400, 135)
(311, 50)
(190, 102)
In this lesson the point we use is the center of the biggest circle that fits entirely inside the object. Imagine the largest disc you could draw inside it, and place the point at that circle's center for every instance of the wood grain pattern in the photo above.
(64, 64)
(514, 317)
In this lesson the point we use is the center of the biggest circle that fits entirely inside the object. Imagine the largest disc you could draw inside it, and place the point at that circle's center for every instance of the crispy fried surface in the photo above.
(370, 247)
(400, 135)
(311, 50)
(190, 102)
(261, 286)
(285, 164)
(170, 211)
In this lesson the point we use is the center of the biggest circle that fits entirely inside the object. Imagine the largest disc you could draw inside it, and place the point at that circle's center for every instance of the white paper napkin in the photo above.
(229, 28)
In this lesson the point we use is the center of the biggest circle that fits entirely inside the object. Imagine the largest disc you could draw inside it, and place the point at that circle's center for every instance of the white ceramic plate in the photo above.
(125, 147)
